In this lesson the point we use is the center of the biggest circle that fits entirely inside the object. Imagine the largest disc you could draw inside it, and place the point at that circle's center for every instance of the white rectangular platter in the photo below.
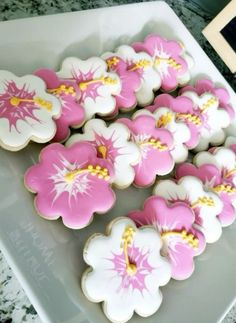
(47, 257)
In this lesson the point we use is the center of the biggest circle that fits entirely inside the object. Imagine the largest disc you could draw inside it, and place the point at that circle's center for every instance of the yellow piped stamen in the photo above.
(170, 61)
(142, 63)
(208, 104)
(201, 201)
(127, 238)
(187, 237)
(164, 120)
(222, 188)
(102, 151)
(104, 80)
(101, 173)
(155, 143)
(230, 173)
(63, 89)
(112, 61)
(14, 101)
(189, 117)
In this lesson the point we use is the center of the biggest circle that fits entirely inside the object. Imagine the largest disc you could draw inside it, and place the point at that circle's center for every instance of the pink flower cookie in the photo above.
(67, 92)
(155, 146)
(207, 100)
(166, 119)
(112, 143)
(142, 64)
(26, 112)
(230, 143)
(181, 241)
(96, 86)
(183, 107)
(211, 176)
(169, 60)
(127, 269)
(206, 205)
(71, 183)
(130, 82)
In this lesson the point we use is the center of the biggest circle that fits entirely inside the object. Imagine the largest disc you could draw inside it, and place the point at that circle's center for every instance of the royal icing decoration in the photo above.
(206, 205)
(126, 270)
(166, 119)
(71, 183)
(112, 143)
(181, 241)
(168, 60)
(67, 92)
(141, 63)
(95, 84)
(155, 146)
(230, 142)
(26, 111)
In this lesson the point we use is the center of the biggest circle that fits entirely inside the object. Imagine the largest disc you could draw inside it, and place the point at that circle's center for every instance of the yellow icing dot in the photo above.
(164, 120)
(15, 101)
(187, 237)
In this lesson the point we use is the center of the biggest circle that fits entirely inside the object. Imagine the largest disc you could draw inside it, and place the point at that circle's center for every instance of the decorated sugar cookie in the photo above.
(67, 92)
(181, 241)
(168, 60)
(142, 64)
(230, 142)
(213, 180)
(183, 107)
(26, 111)
(130, 82)
(217, 115)
(166, 119)
(206, 205)
(126, 270)
(97, 87)
(155, 146)
(71, 183)
(112, 143)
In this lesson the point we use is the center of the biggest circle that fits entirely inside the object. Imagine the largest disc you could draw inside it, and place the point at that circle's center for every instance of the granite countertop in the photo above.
(14, 304)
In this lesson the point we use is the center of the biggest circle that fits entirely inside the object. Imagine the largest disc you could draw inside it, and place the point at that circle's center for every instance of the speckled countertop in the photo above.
(14, 304)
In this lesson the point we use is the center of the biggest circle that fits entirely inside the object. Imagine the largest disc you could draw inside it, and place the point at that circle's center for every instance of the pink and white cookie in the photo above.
(169, 60)
(71, 183)
(142, 64)
(230, 143)
(67, 92)
(216, 115)
(166, 119)
(26, 111)
(205, 205)
(112, 143)
(181, 241)
(183, 107)
(97, 87)
(213, 180)
(130, 82)
(155, 147)
(127, 269)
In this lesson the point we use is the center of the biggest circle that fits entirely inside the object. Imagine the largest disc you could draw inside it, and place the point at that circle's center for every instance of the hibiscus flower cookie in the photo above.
(181, 241)
(112, 143)
(154, 145)
(126, 270)
(71, 183)
(97, 87)
(67, 92)
(169, 60)
(27, 111)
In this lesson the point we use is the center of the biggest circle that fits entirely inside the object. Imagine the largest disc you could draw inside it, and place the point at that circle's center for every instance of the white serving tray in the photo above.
(47, 257)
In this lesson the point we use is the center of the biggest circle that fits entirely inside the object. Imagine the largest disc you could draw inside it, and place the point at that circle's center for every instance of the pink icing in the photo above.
(159, 47)
(211, 176)
(153, 161)
(174, 218)
(72, 112)
(181, 105)
(75, 201)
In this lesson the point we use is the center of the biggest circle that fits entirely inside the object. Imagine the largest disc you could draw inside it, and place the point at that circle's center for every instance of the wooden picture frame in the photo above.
(213, 33)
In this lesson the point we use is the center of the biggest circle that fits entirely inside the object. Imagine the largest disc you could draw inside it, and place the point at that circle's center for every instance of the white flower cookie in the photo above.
(166, 118)
(206, 205)
(112, 143)
(126, 270)
(26, 111)
(95, 84)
